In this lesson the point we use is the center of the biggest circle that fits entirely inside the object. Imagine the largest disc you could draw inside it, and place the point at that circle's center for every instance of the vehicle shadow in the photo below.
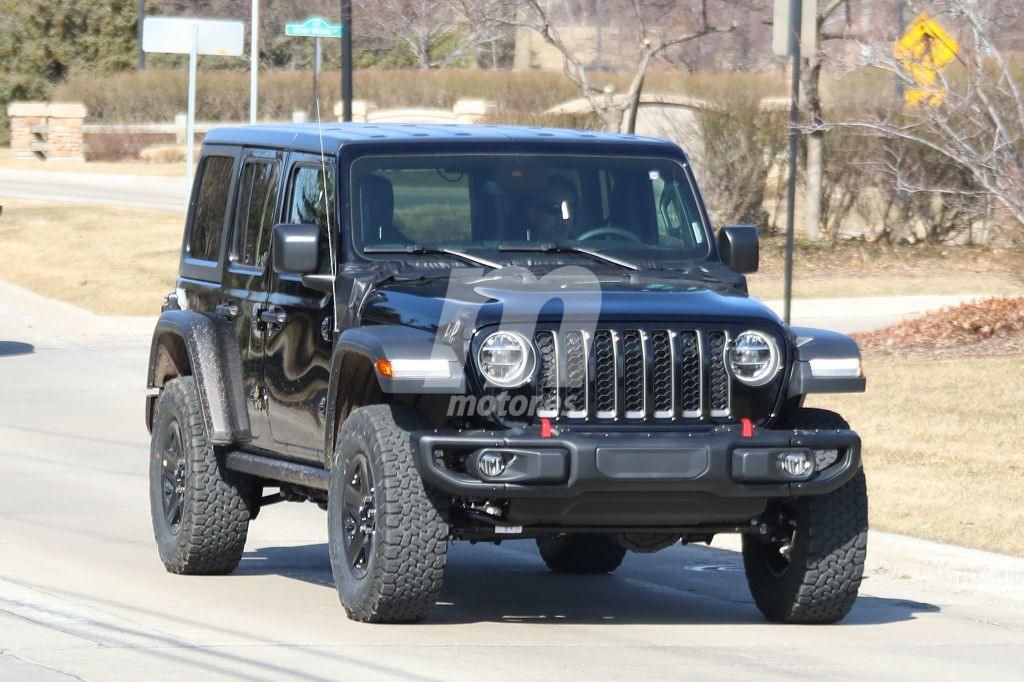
(16, 348)
(488, 584)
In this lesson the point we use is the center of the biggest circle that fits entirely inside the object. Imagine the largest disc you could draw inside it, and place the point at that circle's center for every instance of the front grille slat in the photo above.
(718, 377)
(605, 379)
(634, 374)
(661, 375)
(663, 370)
(547, 375)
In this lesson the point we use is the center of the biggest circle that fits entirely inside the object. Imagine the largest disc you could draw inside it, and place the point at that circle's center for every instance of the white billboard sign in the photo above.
(173, 35)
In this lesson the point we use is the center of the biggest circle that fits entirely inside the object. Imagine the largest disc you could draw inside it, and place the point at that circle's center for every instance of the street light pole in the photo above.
(795, 12)
(254, 61)
(346, 60)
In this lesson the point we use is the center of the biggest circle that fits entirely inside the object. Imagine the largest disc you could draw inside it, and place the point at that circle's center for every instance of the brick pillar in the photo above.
(28, 129)
(65, 131)
(46, 131)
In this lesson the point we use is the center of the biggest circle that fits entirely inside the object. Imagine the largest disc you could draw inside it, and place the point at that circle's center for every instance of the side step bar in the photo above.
(279, 470)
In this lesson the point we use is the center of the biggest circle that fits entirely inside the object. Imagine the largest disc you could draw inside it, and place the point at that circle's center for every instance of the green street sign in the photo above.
(314, 27)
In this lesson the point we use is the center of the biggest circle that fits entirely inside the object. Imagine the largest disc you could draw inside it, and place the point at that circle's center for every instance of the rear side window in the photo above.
(254, 219)
(312, 202)
(211, 208)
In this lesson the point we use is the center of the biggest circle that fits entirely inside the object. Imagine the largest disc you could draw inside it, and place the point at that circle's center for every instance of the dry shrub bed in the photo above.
(994, 326)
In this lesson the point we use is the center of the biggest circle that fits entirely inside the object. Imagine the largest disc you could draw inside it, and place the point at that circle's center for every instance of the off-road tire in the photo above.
(405, 568)
(826, 560)
(217, 502)
(581, 553)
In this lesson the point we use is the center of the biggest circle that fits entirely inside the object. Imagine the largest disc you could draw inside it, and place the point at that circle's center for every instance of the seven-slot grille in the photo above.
(632, 374)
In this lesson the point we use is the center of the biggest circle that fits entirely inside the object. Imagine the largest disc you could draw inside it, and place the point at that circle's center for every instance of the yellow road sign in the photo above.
(923, 50)
(926, 44)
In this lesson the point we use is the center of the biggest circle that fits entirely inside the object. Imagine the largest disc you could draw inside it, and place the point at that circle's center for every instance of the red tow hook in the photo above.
(545, 428)
(746, 428)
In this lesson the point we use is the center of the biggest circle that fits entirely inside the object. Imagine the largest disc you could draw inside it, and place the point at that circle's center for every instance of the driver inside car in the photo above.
(553, 212)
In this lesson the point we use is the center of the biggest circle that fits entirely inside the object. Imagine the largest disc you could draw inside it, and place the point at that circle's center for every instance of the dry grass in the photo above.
(129, 168)
(770, 286)
(858, 268)
(942, 448)
(112, 261)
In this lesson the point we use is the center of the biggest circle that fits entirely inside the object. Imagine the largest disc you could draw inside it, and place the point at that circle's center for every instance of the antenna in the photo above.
(330, 218)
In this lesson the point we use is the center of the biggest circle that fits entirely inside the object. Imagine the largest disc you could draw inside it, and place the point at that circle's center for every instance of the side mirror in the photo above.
(739, 247)
(296, 249)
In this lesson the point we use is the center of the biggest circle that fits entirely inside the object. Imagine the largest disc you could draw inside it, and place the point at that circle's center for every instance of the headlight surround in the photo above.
(753, 358)
(506, 359)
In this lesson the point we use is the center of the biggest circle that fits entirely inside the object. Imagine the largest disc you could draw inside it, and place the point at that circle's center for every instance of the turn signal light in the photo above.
(384, 368)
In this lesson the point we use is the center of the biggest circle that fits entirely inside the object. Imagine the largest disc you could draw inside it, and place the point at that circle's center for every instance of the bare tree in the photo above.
(437, 33)
(972, 115)
(652, 27)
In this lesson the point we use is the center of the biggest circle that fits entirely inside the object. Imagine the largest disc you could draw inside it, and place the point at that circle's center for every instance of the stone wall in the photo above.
(47, 130)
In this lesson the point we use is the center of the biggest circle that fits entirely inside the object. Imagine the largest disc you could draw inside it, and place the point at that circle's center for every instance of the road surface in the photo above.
(84, 596)
(108, 189)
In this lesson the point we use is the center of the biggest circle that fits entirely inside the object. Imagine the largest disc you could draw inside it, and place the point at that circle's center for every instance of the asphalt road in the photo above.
(109, 189)
(83, 594)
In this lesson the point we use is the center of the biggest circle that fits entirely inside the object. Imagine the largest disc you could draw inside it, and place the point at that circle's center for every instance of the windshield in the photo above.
(492, 205)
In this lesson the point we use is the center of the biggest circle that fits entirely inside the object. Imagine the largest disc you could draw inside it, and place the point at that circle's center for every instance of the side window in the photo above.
(254, 219)
(211, 208)
(311, 201)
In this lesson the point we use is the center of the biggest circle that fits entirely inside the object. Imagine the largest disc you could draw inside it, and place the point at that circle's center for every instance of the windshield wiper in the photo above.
(439, 250)
(562, 248)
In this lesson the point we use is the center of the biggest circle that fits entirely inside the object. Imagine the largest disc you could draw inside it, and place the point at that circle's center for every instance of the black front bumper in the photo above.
(572, 464)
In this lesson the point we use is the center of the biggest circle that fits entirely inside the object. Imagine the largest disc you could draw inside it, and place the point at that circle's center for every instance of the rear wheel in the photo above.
(388, 532)
(581, 553)
(810, 568)
(200, 509)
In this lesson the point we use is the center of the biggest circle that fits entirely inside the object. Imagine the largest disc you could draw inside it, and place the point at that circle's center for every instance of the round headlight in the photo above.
(753, 358)
(506, 359)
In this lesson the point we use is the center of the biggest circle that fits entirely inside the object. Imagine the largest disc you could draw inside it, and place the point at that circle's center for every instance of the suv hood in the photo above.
(516, 296)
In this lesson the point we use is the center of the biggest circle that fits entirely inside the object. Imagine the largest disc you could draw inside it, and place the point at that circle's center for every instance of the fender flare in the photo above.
(391, 342)
(822, 344)
(211, 346)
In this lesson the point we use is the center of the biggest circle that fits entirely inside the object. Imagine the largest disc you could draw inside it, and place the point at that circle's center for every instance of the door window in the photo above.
(254, 219)
(211, 208)
(312, 202)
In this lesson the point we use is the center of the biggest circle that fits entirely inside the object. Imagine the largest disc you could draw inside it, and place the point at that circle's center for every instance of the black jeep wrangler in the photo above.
(444, 333)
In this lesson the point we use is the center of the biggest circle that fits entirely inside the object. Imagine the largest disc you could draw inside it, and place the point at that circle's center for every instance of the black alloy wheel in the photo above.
(172, 480)
(360, 520)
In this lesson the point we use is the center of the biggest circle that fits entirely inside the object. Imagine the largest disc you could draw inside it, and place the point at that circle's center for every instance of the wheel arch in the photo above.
(188, 343)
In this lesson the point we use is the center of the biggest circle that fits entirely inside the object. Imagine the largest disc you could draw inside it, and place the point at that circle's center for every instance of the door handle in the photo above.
(228, 310)
(275, 316)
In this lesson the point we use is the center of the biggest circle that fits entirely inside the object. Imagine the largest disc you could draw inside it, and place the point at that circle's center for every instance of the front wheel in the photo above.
(388, 534)
(810, 568)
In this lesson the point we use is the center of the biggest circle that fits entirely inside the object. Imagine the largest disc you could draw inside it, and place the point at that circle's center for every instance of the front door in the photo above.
(298, 346)
(246, 276)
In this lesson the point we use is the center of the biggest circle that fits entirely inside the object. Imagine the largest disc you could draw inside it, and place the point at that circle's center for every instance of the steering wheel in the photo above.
(626, 235)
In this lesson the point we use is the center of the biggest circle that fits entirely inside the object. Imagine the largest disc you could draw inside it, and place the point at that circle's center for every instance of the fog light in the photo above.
(491, 464)
(796, 464)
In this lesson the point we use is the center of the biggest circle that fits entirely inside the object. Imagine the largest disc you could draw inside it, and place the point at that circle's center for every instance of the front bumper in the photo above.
(572, 464)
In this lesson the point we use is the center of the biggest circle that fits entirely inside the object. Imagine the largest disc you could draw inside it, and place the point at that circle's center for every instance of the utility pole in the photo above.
(795, 12)
(254, 62)
(346, 60)
(141, 19)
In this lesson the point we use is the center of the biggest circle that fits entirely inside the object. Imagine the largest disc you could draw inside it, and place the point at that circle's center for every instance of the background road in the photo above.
(108, 189)
(83, 593)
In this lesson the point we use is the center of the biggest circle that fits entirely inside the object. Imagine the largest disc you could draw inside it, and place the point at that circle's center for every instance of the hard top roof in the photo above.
(306, 137)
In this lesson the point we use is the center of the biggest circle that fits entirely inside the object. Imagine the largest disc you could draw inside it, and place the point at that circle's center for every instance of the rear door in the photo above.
(244, 289)
(298, 350)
